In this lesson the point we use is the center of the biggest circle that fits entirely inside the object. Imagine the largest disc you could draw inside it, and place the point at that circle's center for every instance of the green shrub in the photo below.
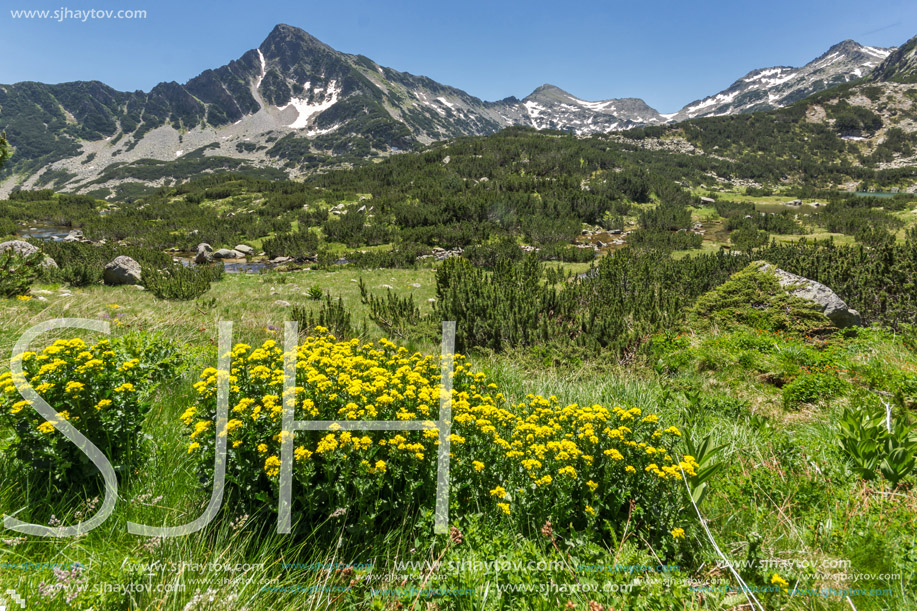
(488, 255)
(8, 227)
(331, 314)
(811, 388)
(79, 274)
(754, 298)
(296, 245)
(747, 238)
(18, 273)
(671, 351)
(180, 282)
(395, 315)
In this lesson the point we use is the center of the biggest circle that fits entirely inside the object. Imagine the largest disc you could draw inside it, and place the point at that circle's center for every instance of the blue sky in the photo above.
(668, 53)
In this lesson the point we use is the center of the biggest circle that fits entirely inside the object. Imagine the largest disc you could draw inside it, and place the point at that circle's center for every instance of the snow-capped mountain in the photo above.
(900, 66)
(550, 107)
(294, 104)
(771, 88)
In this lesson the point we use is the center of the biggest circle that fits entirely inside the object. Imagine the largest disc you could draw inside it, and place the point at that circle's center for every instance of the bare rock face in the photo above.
(226, 253)
(832, 306)
(245, 250)
(123, 270)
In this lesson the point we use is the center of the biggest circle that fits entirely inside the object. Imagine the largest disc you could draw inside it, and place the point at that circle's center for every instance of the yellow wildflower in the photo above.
(499, 492)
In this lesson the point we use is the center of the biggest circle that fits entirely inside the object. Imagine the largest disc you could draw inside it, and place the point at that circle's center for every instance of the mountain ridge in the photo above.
(296, 103)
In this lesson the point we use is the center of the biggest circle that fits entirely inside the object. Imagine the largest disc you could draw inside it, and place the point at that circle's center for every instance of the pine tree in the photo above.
(4, 149)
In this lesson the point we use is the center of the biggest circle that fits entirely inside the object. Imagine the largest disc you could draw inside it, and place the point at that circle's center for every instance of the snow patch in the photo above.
(596, 106)
(831, 59)
(179, 153)
(263, 69)
(320, 132)
(764, 74)
(306, 110)
(883, 53)
(722, 98)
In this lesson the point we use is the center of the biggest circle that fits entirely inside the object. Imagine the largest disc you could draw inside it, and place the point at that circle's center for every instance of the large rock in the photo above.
(123, 270)
(832, 306)
(75, 235)
(204, 254)
(226, 253)
(24, 249)
(245, 250)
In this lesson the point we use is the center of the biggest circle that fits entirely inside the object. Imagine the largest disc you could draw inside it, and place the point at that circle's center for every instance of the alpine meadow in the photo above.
(683, 371)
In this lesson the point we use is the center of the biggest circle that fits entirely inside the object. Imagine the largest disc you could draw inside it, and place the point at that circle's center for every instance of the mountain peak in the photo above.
(845, 45)
(548, 88)
(853, 50)
(283, 35)
(548, 92)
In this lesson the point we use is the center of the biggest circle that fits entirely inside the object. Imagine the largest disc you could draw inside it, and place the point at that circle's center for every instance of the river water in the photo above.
(56, 233)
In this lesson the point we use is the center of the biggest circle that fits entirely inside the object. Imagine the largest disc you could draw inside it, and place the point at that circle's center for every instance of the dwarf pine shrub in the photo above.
(17, 273)
(754, 298)
(181, 283)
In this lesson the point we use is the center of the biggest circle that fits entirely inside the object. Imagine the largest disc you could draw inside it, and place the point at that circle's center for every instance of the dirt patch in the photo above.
(816, 114)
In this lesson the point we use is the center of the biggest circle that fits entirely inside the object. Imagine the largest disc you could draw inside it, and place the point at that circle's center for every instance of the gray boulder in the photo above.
(204, 254)
(75, 235)
(245, 250)
(226, 253)
(832, 306)
(123, 270)
(24, 249)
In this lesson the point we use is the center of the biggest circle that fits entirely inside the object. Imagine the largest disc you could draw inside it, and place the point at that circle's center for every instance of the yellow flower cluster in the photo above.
(539, 448)
(777, 580)
(94, 386)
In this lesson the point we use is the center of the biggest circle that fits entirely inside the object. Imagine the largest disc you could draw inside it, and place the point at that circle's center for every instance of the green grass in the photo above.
(785, 493)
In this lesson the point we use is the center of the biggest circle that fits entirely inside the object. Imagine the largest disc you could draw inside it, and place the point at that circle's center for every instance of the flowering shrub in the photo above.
(527, 462)
(102, 389)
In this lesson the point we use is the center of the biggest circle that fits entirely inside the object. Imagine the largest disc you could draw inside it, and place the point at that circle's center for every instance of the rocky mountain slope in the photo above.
(294, 104)
(778, 86)
(900, 66)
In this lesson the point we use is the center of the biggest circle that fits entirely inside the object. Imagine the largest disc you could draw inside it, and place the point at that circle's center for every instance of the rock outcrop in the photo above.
(24, 249)
(123, 270)
(832, 306)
